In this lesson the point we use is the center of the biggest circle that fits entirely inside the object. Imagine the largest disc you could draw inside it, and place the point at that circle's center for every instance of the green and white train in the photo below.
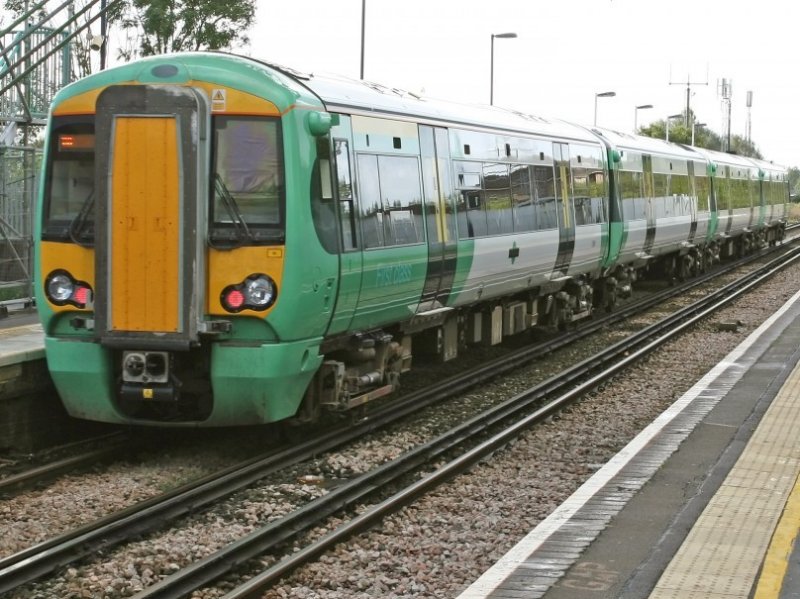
(225, 242)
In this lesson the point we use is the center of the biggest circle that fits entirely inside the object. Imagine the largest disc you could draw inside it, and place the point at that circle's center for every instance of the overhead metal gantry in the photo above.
(36, 53)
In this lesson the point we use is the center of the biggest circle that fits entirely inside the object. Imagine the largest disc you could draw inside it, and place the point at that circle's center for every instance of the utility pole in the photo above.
(689, 84)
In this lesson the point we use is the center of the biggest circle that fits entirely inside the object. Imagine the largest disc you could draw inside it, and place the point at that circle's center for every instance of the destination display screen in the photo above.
(75, 142)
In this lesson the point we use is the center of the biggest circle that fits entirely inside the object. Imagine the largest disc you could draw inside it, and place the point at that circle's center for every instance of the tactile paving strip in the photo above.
(721, 556)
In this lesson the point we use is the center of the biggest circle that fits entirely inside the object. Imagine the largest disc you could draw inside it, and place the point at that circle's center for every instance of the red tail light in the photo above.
(233, 299)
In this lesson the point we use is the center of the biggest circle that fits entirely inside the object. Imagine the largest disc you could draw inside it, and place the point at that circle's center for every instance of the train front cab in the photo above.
(154, 306)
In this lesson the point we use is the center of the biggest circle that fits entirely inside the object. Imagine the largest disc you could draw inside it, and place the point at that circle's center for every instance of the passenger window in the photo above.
(469, 206)
(323, 209)
(391, 200)
(545, 186)
(345, 188)
(631, 192)
(522, 198)
(498, 199)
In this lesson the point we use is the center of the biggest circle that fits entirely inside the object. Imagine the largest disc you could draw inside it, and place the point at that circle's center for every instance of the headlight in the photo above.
(60, 287)
(259, 292)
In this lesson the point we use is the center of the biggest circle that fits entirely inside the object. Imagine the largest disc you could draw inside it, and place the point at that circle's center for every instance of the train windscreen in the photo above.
(69, 191)
(247, 189)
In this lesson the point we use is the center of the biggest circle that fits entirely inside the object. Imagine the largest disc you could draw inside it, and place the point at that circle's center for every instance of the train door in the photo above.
(649, 193)
(350, 257)
(437, 183)
(564, 212)
(151, 157)
(391, 217)
(693, 202)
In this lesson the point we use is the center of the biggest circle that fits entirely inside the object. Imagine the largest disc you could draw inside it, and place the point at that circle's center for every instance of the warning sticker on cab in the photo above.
(219, 98)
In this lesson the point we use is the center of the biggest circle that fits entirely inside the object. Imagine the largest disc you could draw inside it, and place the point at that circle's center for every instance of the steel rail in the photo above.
(115, 443)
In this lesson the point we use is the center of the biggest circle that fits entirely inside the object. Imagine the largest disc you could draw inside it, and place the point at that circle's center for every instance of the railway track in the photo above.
(83, 454)
(522, 411)
(46, 557)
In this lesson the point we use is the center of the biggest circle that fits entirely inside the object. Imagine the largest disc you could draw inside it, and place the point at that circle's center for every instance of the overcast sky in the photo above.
(566, 52)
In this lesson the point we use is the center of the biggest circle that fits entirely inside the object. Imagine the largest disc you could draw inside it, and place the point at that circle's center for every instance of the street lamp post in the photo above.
(363, 31)
(491, 66)
(601, 95)
(636, 116)
(694, 125)
(669, 118)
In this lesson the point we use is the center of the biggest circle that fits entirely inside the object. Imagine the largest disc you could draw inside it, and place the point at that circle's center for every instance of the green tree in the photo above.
(703, 137)
(165, 26)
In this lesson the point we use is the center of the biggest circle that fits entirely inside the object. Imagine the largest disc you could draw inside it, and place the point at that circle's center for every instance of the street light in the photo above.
(601, 95)
(503, 36)
(669, 118)
(636, 116)
(694, 124)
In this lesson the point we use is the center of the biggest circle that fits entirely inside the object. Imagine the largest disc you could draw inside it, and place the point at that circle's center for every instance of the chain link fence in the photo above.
(19, 168)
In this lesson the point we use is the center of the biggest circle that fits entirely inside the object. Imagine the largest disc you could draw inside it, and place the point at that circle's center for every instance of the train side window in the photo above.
(498, 199)
(391, 200)
(631, 191)
(369, 194)
(323, 209)
(344, 186)
(702, 188)
(588, 184)
(469, 205)
(722, 190)
(545, 187)
(522, 198)
(755, 192)
(401, 192)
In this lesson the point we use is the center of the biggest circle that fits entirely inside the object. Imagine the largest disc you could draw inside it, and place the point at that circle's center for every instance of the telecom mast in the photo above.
(689, 83)
(749, 126)
(725, 91)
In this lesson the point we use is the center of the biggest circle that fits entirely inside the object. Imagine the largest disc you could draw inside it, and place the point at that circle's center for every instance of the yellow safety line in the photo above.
(776, 562)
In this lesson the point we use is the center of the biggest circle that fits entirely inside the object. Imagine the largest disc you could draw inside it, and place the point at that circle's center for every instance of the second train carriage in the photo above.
(227, 242)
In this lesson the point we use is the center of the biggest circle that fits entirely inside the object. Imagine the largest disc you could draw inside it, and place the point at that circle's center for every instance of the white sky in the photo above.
(567, 51)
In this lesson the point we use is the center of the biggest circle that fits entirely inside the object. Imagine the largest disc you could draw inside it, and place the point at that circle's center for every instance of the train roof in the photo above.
(343, 94)
(650, 145)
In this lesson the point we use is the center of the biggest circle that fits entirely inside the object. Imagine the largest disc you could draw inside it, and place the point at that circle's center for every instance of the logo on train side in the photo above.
(392, 275)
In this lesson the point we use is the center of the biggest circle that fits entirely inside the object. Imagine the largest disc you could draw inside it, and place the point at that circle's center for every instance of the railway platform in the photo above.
(704, 503)
(31, 416)
(21, 338)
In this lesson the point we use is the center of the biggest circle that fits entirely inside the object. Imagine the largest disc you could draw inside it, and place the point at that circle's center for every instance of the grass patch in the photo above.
(13, 292)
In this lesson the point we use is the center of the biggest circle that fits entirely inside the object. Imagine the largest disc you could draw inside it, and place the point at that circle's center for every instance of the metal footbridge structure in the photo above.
(37, 58)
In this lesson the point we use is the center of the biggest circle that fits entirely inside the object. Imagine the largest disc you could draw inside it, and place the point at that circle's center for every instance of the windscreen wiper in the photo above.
(81, 225)
(231, 207)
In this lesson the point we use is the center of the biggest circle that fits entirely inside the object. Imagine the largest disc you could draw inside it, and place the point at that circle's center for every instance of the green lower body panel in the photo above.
(260, 384)
(82, 373)
(250, 384)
